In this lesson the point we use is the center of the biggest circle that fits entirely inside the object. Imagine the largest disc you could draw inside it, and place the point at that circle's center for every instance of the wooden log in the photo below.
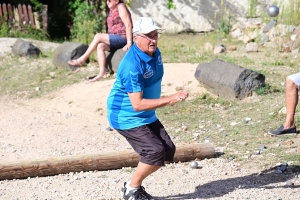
(17, 19)
(26, 19)
(31, 17)
(36, 21)
(45, 18)
(10, 13)
(4, 9)
(1, 14)
(105, 161)
(20, 15)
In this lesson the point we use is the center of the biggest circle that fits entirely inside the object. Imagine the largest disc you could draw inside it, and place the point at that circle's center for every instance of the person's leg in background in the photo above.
(99, 38)
(291, 101)
(101, 48)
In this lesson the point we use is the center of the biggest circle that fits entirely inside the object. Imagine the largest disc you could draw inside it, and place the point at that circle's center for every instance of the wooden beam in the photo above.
(105, 161)
(1, 14)
(10, 13)
(21, 17)
(26, 18)
(4, 10)
(45, 18)
(31, 17)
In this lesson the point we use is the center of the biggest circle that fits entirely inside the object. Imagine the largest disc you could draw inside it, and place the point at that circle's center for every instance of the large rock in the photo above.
(197, 15)
(68, 51)
(25, 48)
(113, 60)
(228, 80)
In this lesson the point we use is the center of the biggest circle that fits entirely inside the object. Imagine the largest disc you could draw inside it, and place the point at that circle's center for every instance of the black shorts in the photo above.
(151, 142)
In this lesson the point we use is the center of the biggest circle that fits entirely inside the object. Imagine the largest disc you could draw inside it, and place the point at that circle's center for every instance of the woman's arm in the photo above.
(126, 18)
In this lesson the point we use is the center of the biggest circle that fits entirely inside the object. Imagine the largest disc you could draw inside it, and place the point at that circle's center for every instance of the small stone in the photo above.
(184, 128)
(289, 183)
(289, 142)
(283, 167)
(52, 74)
(244, 143)
(233, 123)
(109, 129)
(262, 147)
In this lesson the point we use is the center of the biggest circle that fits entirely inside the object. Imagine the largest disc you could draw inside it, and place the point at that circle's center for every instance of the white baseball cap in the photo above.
(144, 25)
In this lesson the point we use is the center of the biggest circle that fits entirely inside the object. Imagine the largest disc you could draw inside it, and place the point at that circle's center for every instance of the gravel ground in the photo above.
(52, 127)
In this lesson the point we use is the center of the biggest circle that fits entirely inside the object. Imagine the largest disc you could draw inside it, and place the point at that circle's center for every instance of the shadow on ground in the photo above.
(221, 187)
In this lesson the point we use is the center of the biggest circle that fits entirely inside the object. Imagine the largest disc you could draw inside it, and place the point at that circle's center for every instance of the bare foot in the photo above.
(96, 78)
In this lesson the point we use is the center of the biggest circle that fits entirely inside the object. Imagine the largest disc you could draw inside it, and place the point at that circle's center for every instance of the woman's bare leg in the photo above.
(98, 38)
(101, 48)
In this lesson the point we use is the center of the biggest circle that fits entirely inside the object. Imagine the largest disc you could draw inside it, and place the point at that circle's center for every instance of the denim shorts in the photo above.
(116, 41)
(151, 142)
(296, 79)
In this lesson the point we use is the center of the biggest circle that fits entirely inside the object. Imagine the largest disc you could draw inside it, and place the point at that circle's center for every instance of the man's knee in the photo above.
(290, 84)
(155, 156)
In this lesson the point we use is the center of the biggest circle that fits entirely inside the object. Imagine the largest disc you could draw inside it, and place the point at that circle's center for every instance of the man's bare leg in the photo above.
(291, 100)
(142, 171)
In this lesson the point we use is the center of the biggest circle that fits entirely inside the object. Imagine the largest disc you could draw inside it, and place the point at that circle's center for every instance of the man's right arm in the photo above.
(140, 104)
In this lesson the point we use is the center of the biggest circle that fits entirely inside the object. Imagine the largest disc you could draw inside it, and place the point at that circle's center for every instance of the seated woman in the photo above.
(119, 36)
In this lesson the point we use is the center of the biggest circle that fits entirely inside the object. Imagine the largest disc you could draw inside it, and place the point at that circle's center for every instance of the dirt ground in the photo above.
(72, 121)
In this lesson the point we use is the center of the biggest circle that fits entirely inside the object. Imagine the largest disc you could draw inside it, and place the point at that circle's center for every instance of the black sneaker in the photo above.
(136, 194)
(282, 131)
(123, 189)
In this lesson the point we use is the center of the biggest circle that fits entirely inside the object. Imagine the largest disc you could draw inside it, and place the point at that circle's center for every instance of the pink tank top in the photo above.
(115, 24)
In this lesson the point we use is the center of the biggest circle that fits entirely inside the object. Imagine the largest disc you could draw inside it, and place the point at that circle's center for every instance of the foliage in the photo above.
(37, 5)
(26, 32)
(170, 4)
(267, 89)
(29, 32)
(86, 14)
(225, 25)
(128, 2)
(252, 9)
(85, 32)
(290, 14)
(4, 30)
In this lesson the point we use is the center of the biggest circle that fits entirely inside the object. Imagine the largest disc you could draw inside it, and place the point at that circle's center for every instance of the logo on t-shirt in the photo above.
(159, 60)
(148, 73)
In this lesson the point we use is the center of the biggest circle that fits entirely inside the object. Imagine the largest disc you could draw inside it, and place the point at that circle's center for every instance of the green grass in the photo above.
(30, 77)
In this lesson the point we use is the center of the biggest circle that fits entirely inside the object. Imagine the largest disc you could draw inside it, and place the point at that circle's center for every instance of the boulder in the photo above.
(113, 60)
(25, 48)
(68, 51)
(228, 80)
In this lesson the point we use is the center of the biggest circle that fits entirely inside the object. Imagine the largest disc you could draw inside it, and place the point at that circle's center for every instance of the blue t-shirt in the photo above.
(137, 72)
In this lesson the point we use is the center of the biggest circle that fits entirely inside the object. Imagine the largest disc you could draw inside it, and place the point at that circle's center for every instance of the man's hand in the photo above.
(179, 96)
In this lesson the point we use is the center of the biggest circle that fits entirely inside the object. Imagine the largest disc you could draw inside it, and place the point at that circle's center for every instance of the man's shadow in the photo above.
(221, 187)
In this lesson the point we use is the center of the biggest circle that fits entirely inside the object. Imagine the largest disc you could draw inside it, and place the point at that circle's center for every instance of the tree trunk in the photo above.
(105, 161)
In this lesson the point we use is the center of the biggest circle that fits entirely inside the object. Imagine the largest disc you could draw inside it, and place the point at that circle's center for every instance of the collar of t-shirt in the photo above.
(145, 57)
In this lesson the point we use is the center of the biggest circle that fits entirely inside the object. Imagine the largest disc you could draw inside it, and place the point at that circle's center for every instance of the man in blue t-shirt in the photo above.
(132, 102)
